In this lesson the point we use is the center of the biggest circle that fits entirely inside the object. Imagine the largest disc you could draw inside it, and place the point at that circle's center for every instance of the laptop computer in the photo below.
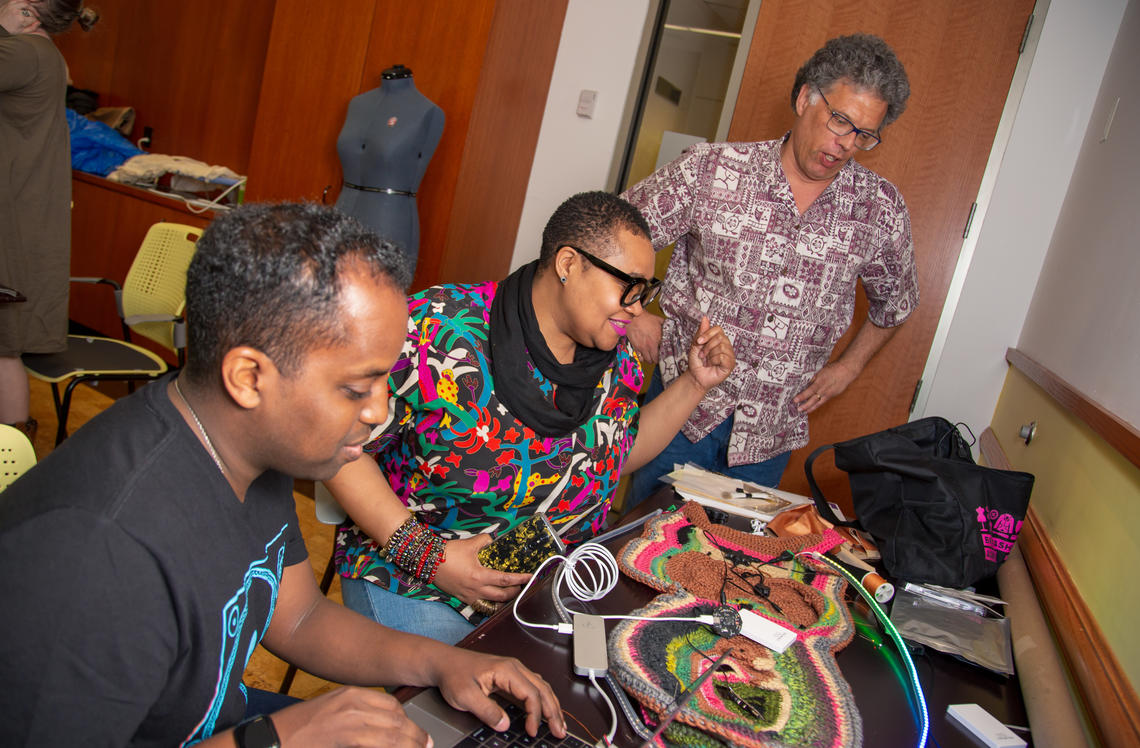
(450, 727)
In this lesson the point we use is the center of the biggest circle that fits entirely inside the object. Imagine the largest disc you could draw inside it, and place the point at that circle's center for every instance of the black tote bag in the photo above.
(936, 516)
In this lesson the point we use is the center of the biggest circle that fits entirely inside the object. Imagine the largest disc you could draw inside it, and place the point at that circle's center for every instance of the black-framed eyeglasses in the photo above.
(644, 290)
(839, 124)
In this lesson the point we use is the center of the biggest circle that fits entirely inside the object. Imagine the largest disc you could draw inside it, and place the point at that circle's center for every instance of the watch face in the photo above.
(257, 733)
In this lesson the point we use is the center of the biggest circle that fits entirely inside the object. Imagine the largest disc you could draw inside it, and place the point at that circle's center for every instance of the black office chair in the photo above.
(150, 302)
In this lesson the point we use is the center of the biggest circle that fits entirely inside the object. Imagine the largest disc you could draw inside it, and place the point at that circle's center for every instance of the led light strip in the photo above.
(889, 626)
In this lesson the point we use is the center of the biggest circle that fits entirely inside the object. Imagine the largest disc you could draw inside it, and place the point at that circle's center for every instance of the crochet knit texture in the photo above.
(756, 697)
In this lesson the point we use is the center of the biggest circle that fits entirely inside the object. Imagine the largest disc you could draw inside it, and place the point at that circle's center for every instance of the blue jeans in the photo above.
(711, 453)
(258, 701)
(434, 620)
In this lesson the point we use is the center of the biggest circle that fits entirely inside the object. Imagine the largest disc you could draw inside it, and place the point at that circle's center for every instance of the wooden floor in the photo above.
(265, 671)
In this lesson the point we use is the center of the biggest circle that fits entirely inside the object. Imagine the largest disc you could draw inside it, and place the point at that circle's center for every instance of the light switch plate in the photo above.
(586, 101)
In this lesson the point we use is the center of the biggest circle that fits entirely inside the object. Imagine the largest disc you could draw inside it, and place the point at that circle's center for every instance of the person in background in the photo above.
(35, 190)
(510, 400)
(146, 557)
(771, 238)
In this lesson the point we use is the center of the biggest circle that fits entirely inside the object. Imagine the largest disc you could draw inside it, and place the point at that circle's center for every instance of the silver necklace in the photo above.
(201, 429)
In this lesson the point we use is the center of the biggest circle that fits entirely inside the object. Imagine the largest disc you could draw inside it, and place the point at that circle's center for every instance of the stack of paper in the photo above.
(730, 494)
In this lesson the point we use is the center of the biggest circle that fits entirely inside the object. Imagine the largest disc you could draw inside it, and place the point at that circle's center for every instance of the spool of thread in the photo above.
(880, 589)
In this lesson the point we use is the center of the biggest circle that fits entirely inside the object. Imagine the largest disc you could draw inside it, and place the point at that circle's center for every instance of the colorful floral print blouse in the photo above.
(463, 463)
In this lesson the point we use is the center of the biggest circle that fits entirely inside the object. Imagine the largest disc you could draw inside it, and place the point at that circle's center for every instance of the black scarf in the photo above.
(517, 340)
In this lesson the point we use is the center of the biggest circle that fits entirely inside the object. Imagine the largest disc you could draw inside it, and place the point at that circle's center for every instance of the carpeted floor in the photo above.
(265, 671)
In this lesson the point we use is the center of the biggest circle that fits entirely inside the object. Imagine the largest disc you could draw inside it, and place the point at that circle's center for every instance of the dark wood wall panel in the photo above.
(90, 54)
(445, 43)
(502, 138)
(960, 56)
(306, 90)
(191, 71)
(262, 86)
(312, 68)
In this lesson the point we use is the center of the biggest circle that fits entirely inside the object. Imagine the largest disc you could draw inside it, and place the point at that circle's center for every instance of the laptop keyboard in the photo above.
(515, 735)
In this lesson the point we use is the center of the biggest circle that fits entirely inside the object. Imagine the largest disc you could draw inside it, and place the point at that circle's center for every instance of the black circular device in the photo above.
(727, 623)
(257, 732)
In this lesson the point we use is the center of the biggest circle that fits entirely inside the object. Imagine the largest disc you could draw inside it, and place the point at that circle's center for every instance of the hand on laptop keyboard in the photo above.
(515, 735)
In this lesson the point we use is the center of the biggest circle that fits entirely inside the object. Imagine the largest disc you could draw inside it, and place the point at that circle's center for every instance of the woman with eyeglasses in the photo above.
(509, 400)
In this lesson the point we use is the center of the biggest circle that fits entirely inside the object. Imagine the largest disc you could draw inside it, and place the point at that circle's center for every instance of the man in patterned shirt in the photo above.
(770, 239)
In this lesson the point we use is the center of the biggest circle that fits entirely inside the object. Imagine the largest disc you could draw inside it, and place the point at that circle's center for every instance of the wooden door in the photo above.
(960, 57)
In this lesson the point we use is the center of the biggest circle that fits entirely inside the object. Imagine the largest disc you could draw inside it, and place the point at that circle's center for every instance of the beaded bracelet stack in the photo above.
(415, 549)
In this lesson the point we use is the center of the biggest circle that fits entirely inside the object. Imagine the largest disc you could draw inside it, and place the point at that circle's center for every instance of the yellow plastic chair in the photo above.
(17, 455)
(150, 302)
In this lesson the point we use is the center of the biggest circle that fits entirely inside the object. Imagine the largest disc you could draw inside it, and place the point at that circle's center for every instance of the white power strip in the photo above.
(984, 726)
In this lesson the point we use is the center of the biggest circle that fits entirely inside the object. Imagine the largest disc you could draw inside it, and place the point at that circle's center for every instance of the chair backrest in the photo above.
(156, 282)
(327, 508)
(16, 455)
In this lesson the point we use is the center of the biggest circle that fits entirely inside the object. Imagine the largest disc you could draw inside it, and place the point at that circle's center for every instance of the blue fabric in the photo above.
(711, 453)
(435, 620)
(259, 702)
(96, 147)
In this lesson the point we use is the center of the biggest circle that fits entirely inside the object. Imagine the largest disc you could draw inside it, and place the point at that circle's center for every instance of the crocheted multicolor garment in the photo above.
(756, 697)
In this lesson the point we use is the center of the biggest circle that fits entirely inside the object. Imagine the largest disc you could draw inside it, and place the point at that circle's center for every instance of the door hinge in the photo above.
(914, 398)
(1025, 34)
(969, 221)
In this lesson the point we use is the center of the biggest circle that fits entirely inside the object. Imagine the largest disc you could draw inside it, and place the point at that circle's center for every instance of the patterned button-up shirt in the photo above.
(781, 284)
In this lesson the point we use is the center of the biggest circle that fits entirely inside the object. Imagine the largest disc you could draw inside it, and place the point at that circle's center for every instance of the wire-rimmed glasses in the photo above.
(839, 124)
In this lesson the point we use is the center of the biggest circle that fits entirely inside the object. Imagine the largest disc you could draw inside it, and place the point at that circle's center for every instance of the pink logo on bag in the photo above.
(999, 532)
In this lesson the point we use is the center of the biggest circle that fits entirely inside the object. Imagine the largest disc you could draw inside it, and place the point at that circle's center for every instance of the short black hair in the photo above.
(865, 60)
(268, 276)
(588, 221)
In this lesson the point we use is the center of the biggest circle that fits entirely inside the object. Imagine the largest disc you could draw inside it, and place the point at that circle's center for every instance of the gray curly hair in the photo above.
(865, 60)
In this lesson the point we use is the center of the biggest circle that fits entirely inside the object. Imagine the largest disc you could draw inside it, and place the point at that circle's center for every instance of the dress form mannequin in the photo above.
(387, 140)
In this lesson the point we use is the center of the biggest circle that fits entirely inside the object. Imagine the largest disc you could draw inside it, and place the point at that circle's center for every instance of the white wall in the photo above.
(963, 384)
(1084, 322)
(599, 52)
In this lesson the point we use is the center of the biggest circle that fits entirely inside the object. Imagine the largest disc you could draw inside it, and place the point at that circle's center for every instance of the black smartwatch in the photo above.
(257, 732)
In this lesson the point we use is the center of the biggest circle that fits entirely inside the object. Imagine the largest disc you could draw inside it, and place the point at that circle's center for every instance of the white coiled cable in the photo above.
(590, 572)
